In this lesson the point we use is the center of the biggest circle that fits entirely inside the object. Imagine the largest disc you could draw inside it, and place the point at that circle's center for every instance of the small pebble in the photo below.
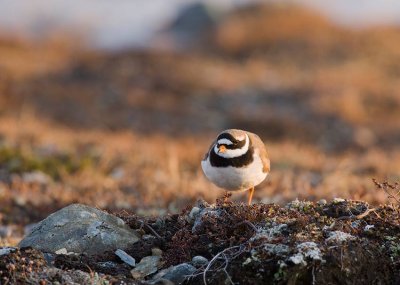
(199, 261)
(368, 228)
(193, 213)
(147, 266)
(6, 250)
(62, 251)
(156, 251)
(125, 257)
(338, 200)
(178, 274)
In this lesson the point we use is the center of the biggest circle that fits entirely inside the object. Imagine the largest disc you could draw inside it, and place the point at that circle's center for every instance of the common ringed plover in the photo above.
(236, 161)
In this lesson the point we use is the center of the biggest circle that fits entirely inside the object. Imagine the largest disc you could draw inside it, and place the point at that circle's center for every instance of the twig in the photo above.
(387, 187)
(214, 259)
(247, 223)
(150, 229)
(360, 216)
(153, 231)
(366, 213)
(313, 275)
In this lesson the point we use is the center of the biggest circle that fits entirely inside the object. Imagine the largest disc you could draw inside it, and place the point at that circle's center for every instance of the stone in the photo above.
(193, 214)
(191, 26)
(6, 250)
(161, 281)
(199, 261)
(147, 266)
(61, 251)
(156, 251)
(80, 229)
(338, 200)
(125, 257)
(368, 228)
(28, 228)
(177, 274)
(109, 266)
(71, 277)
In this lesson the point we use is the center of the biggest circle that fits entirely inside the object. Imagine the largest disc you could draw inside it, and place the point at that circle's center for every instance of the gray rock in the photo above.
(125, 257)
(63, 251)
(193, 214)
(109, 265)
(6, 250)
(199, 261)
(70, 277)
(80, 229)
(192, 25)
(161, 281)
(177, 274)
(147, 266)
(28, 228)
(156, 251)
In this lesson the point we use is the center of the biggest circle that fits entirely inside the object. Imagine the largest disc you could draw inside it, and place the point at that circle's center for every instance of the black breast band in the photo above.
(240, 161)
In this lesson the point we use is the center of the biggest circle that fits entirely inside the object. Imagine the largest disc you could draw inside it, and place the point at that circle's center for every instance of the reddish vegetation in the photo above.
(342, 242)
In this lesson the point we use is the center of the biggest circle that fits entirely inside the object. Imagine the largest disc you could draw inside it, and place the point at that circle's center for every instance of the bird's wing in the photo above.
(257, 142)
(209, 149)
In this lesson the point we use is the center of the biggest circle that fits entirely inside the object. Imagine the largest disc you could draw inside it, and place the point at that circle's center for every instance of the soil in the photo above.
(341, 242)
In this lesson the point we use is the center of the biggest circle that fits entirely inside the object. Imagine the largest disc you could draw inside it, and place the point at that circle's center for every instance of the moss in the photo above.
(15, 160)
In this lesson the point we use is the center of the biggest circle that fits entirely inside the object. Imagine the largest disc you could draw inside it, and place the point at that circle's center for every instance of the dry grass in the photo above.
(155, 171)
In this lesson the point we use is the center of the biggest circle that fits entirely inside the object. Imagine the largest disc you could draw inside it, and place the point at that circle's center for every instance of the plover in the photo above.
(236, 161)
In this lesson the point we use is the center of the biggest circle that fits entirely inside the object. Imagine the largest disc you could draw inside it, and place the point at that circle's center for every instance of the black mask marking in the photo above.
(236, 143)
(240, 161)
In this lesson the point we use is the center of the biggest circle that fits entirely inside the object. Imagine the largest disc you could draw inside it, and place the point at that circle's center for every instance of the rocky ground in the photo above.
(336, 242)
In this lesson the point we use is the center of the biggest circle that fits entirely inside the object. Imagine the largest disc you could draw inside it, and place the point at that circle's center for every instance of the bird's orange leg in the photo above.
(226, 197)
(251, 192)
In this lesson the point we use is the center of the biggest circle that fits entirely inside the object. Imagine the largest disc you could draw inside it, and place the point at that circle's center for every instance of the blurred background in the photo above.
(114, 103)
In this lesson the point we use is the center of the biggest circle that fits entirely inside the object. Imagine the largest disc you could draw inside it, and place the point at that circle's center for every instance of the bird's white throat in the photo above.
(231, 153)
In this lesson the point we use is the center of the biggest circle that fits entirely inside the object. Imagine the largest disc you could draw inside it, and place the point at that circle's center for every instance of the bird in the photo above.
(237, 160)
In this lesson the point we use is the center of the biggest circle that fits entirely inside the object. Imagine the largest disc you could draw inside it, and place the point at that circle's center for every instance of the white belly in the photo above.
(235, 179)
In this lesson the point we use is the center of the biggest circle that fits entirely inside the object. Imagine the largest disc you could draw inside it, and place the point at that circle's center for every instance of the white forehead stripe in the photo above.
(225, 141)
(230, 153)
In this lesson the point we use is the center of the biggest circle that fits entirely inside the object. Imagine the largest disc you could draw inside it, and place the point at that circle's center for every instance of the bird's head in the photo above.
(232, 143)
